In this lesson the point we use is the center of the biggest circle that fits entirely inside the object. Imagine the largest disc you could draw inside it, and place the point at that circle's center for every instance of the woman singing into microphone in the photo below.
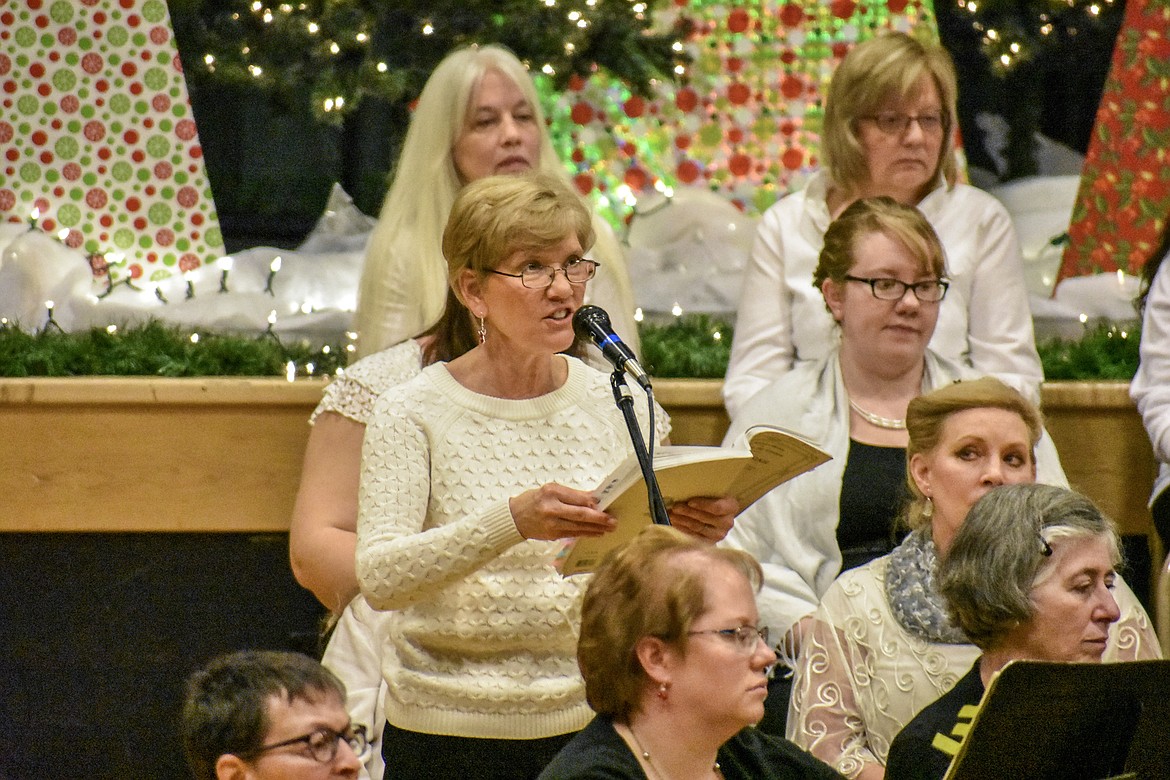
(471, 472)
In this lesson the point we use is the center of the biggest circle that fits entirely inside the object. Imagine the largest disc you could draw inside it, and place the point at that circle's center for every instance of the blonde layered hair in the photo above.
(497, 216)
(404, 262)
(875, 72)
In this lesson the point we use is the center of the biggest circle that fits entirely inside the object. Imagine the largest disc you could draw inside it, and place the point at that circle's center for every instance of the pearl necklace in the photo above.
(650, 763)
(890, 423)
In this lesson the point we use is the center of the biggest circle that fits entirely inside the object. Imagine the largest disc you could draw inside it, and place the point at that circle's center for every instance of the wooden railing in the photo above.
(141, 454)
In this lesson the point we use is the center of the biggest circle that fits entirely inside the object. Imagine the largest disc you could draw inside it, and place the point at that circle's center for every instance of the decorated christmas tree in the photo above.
(657, 93)
(333, 54)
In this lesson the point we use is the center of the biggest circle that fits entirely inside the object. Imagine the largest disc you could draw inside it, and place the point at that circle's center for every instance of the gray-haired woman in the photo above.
(1030, 576)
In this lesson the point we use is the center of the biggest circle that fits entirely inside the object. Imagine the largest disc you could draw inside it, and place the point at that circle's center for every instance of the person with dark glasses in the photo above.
(269, 715)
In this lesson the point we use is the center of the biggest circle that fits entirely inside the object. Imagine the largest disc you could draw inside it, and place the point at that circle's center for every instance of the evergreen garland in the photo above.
(1106, 352)
(692, 346)
(154, 349)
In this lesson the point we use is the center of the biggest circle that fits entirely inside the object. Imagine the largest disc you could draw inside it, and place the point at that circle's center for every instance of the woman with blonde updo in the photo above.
(882, 645)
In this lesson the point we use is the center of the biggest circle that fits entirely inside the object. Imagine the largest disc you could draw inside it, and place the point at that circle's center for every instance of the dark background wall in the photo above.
(99, 631)
(1055, 94)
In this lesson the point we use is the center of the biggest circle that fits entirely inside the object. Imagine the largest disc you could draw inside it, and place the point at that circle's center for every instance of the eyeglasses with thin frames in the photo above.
(537, 277)
(931, 291)
(896, 124)
(323, 744)
(744, 637)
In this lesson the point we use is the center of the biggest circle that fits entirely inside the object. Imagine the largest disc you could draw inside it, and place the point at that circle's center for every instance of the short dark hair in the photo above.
(225, 710)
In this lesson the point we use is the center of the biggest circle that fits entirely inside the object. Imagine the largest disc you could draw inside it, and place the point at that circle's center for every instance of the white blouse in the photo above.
(984, 321)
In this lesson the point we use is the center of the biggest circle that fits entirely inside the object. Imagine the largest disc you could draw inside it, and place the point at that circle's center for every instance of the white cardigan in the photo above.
(1150, 388)
(792, 530)
(984, 321)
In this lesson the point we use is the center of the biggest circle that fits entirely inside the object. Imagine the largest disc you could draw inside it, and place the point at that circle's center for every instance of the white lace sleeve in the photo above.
(825, 717)
(352, 393)
(1131, 638)
(861, 677)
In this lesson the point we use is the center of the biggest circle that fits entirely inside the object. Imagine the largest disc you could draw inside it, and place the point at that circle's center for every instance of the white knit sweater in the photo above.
(484, 629)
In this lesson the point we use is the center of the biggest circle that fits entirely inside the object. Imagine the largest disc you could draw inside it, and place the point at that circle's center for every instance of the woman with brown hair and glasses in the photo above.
(675, 664)
(882, 277)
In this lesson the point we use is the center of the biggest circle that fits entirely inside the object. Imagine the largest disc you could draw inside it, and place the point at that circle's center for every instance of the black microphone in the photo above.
(591, 322)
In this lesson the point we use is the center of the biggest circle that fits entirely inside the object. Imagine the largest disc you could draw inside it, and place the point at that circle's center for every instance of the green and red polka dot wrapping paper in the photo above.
(745, 119)
(98, 145)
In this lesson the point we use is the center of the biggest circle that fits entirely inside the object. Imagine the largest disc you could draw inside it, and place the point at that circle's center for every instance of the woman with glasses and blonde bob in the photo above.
(889, 129)
(473, 474)
(1030, 577)
(882, 278)
(882, 645)
(675, 664)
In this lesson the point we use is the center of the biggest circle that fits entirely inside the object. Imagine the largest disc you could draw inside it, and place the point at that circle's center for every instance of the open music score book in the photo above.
(1071, 721)
(772, 456)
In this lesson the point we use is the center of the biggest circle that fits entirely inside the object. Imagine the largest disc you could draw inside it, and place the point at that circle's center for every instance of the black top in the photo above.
(873, 490)
(599, 753)
(924, 748)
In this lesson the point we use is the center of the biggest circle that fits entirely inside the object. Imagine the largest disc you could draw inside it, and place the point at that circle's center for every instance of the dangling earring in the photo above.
(482, 331)
(928, 509)
(662, 690)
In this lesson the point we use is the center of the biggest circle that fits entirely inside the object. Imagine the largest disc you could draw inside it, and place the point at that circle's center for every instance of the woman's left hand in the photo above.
(705, 518)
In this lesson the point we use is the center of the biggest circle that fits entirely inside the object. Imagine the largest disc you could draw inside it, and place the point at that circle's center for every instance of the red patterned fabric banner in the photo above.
(1124, 196)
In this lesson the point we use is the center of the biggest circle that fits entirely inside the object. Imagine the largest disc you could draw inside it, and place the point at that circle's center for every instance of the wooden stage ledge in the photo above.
(224, 454)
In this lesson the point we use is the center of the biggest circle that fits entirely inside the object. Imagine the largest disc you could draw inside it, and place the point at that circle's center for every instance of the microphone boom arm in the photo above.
(625, 402)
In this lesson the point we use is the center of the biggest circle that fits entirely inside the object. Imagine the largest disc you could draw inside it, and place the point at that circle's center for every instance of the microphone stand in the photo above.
(625, 402)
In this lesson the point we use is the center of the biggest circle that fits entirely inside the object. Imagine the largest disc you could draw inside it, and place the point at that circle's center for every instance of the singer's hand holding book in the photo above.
(769, 456)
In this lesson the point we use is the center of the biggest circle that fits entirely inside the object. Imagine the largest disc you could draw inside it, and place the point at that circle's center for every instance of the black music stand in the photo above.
(1052, 721)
